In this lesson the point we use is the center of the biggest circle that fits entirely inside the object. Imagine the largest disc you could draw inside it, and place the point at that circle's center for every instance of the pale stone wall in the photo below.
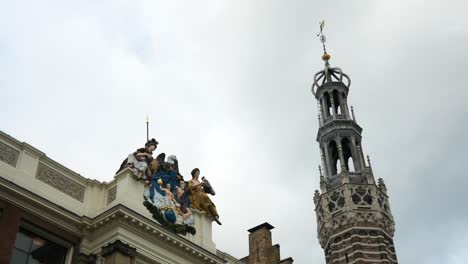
(97, 212)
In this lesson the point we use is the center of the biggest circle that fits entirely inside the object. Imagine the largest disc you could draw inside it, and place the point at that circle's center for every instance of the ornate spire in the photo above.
(323, 39)
(350, 206)
(328, 74)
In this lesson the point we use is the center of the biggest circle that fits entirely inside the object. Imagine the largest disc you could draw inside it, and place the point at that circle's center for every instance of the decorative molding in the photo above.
(87, 259)
(118, 246)
(111, 194)
(8, 154)
(152, 230)
(60, 182)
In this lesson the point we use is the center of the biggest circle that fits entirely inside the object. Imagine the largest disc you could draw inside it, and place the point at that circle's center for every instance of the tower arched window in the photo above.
(327, 104)
(337, 101)
(333, 153)
(350, 158)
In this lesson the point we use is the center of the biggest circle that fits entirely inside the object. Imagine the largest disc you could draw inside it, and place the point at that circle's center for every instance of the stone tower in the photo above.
(354, 221)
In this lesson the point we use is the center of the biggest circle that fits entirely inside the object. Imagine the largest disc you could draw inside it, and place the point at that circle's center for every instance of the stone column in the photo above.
(333, 106)
(322, 112)
(361, 156)
(340, 154)
(324, 165)
(345, 106)
(118, 253)
(352, 114)
(327, 159)
(10, 218)
(325, 107)
(356, 156)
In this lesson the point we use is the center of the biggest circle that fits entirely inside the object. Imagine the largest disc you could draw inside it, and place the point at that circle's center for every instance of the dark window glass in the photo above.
(33, 261)
(19, 257)
(23, 241)
(33, 249)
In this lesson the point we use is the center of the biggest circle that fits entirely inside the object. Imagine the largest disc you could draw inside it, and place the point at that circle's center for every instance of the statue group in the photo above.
(167, 194)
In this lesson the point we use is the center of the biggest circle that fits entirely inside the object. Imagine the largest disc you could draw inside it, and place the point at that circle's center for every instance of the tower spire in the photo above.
(329, 74)
(323, 39)
(353, 213)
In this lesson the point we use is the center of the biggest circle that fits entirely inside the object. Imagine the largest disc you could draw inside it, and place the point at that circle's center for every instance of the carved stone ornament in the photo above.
(60, 182)
(118, 246)
(111, 194)
(86, 259)
(8, 154)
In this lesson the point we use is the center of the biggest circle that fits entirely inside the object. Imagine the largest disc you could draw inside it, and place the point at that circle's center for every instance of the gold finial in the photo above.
(325, 55)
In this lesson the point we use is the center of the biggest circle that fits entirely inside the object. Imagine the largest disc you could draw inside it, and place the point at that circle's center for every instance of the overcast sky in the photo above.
(226, 85)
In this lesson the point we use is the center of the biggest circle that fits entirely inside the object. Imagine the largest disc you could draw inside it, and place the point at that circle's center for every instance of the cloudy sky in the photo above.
(226, 85)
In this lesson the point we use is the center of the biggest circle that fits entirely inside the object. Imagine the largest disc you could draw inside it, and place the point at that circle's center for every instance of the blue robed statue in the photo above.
(168, 191)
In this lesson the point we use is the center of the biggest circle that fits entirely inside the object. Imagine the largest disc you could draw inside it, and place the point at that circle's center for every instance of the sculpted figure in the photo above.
(199, 199)
(181, 198)
(139, 160)
(167, 191)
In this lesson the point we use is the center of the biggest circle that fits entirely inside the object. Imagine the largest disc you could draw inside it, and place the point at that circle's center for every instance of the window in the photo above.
(33, 249)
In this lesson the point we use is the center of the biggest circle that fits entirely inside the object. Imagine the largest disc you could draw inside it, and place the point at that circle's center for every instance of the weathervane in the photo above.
(322, 37)
(325, 56)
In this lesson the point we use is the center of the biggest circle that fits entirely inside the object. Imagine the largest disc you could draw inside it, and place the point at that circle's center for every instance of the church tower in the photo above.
(354, 221)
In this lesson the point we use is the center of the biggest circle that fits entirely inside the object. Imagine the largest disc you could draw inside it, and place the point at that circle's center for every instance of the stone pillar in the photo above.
(333, 106)
(10, 218)
(324, 164)
(322, 112)
(361, 156)
(118, 253)
(345, 106)
(325, 108)
(356, 156)
(340, 154)
(323, 184)
(327, 159)
(352, 114)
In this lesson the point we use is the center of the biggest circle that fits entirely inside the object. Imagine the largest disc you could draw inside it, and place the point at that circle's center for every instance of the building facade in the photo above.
(354, 221)
(50, 214)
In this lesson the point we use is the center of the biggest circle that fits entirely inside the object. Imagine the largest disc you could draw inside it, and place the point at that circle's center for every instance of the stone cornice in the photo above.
(338, 126)
(122, 215)
(26, 147)
(328, 86)
(31, 202)
(118, 246)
